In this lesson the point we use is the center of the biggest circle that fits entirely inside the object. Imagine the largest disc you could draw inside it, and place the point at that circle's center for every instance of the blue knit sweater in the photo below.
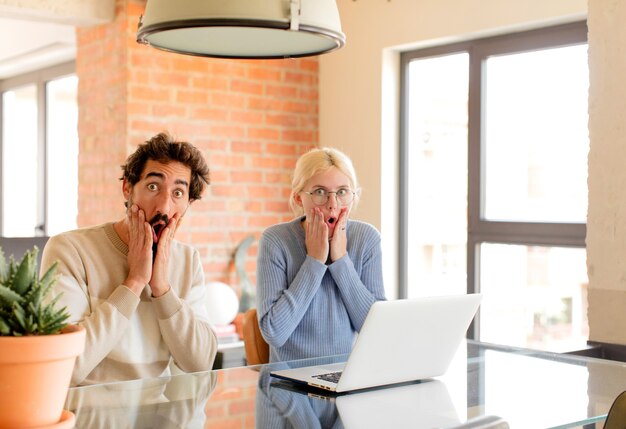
(306, 308)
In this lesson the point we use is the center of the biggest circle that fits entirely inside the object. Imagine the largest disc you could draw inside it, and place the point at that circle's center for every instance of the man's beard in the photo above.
(158, 223)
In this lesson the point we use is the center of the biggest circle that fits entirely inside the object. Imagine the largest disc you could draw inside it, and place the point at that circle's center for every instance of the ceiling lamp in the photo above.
(242, 28)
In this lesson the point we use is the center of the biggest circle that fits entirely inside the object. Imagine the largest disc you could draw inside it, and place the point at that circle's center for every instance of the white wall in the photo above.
(606, 219)
(359, 83)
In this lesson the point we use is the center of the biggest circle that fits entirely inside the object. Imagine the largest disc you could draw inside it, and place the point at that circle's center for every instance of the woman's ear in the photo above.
(297, 198)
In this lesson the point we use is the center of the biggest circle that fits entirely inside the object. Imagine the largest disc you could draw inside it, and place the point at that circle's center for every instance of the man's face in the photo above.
(162, 192)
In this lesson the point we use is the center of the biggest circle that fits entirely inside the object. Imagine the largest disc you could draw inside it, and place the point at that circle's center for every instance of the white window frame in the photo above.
(38, 78)
(479, 229)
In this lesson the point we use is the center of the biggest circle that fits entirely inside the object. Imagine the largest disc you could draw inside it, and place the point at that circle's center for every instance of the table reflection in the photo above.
(279, 405)
(487, 386)
(162, 403)
(282, 404)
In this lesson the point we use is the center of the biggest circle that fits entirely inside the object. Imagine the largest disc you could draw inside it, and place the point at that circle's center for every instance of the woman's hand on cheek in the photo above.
(316, 235)
(339, 242)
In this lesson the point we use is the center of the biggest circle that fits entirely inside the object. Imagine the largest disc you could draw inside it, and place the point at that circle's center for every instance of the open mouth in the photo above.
(156, 231)
(331, 222)
(158, 224)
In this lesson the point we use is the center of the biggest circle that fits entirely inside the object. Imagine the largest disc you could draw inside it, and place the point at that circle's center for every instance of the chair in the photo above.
(257, 350)
(616, 418)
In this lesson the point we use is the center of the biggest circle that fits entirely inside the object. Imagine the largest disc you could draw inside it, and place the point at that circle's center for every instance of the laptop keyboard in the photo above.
(332, 377)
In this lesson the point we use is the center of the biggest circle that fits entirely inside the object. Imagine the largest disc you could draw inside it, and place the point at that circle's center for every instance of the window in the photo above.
(494, 182)
(39, 153)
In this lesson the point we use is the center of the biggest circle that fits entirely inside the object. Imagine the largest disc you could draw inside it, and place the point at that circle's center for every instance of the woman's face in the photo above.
(329, 190)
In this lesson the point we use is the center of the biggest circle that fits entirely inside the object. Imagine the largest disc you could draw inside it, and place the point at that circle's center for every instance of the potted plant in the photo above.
(37, 347)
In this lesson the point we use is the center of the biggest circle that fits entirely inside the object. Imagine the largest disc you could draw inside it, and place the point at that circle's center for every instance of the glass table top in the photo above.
(502, 386)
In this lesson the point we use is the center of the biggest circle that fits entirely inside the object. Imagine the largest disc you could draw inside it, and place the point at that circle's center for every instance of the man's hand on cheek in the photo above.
(159, 282)
(139, 250)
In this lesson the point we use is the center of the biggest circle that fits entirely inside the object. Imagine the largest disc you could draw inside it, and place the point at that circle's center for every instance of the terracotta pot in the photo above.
(35, 373)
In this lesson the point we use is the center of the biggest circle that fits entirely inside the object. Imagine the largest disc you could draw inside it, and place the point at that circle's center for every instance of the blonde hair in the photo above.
(316, 161)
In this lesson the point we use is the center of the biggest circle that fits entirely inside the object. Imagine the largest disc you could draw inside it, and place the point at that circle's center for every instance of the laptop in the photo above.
(400, 341)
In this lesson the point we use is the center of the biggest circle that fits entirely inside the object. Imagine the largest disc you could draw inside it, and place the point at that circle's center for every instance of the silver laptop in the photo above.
(400, 341)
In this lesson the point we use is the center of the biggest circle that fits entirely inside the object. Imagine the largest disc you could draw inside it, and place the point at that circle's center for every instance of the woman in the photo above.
(318, 275)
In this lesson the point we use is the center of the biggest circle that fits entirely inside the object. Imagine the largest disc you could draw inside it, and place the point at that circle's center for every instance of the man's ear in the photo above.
(127, 189)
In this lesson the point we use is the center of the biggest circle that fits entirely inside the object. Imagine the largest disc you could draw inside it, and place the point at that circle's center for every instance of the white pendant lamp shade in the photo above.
(242, 28)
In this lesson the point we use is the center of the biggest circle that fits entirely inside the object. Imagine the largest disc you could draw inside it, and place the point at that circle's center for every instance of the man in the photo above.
(137, 291)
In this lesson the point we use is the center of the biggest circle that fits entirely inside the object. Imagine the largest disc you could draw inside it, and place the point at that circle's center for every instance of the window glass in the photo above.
(495, 148)
(62, 155)
(534, 296)
(536, 139)
(437, 175)
(20, 166)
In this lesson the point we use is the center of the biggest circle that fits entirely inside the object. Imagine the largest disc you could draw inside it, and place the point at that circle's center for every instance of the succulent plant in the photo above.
(24, 309)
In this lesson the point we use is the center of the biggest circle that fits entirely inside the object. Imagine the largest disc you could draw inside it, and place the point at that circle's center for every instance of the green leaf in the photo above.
(24, 276)
(4, 268)
(50, 276)
(24, 307)
(9, 296)
(5, 329)
(20, 315)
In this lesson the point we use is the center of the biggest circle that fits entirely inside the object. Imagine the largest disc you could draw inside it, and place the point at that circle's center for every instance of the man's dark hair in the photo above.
(163, 148)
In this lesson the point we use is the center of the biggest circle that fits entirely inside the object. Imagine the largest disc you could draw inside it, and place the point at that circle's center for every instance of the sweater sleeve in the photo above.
(281, 305)
(105, 324)
(184, 324)
(359, 292)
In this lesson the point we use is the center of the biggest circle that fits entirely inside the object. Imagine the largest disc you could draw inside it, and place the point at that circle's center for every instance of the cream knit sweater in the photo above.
(130, 337)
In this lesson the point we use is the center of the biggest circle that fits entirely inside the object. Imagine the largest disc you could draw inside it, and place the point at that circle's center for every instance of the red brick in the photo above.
(281, 149)
(282, 91)
(250, 147)
(170, 79)
(264, 74)
(251, 119)
(298, 135)
(247, 117)
(191, 97)
(277, 206)
(210, 83)
(246, 176)
(161, 110)
(241, 407)
(282, 120)
(147, 93)
(263, 133)
(228, 100)
(209, 114)
(229, 131)
(246, 87)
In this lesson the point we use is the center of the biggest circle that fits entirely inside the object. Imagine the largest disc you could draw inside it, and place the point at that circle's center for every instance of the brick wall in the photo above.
(251, 119)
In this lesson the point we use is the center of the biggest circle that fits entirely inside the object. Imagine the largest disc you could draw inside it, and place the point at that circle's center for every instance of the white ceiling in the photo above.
(40, 33)
(29, 45)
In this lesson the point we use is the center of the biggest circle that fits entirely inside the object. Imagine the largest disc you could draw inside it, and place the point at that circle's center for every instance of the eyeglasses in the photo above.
(320, 196)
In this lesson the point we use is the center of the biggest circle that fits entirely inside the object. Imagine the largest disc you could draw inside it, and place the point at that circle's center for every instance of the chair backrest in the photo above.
(257, 350)
(616, 417)
(16, 246)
